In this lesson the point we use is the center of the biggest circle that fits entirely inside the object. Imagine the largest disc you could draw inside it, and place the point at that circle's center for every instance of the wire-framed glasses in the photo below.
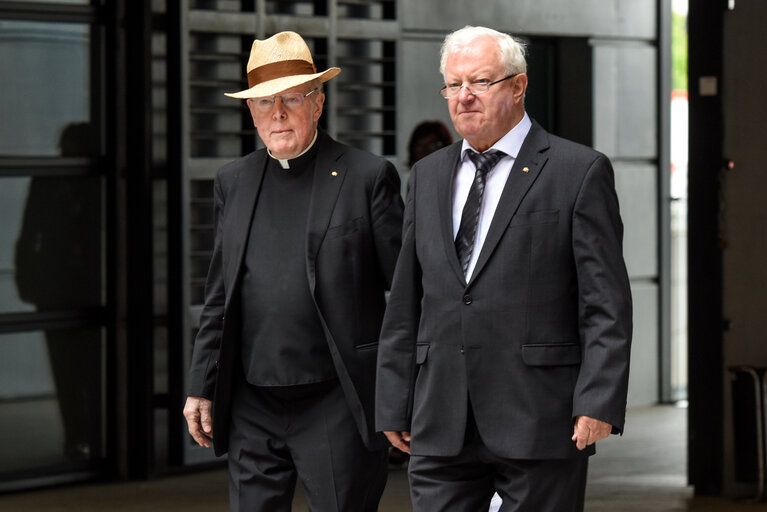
(291, 100)
(475, 88)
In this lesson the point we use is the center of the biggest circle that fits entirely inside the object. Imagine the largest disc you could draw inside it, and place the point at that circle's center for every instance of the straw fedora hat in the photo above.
(279, 63)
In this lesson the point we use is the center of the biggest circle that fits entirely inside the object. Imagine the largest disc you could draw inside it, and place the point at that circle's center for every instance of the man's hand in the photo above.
(198, 419)
(588, 431)
(399, 440)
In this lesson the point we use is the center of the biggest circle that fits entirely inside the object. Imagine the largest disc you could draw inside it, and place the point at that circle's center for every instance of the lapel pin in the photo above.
(525, 169)
(334, 173)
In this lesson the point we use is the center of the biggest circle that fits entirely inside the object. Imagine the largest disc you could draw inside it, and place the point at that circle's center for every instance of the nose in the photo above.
(465, 94)
(278, 110)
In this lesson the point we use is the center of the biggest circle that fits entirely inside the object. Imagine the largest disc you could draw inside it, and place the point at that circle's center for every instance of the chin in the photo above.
(284, 153)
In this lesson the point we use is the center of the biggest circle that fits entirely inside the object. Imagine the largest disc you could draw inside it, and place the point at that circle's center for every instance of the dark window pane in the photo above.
(45, 85)
(77, 2)
(51, 398)
(50, 243)
(201, 234)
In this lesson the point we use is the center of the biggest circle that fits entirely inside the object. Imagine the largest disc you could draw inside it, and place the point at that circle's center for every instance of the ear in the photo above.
(319, 102)
(252, 109)
(519, 87)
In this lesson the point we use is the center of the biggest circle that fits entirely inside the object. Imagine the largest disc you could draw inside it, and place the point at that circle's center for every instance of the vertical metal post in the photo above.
(135, 172)
(332, 85)
(176, 228)
(706, 323)
(664, 199)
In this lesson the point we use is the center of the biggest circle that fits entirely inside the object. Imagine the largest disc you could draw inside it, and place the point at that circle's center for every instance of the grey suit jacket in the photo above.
(540, 334)
(352, 241)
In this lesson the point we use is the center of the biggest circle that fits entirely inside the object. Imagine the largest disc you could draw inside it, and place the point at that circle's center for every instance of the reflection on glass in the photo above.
(45, 85)
(58, 250)
(51, 404)
(13, 195)
(51, 236)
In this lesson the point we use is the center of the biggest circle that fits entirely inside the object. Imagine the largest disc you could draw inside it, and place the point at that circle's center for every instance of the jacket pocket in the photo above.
(554, 354)
(421, 351)
(537, 217)
(366, 346)
(347, 228)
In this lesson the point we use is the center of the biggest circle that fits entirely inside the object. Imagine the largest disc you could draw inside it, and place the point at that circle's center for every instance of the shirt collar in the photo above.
(285, 162)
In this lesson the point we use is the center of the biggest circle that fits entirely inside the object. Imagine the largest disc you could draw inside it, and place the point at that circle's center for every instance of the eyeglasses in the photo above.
(291, 100)
(475, 88)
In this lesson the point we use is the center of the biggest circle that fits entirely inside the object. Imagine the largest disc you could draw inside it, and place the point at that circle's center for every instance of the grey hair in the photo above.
(511, 50)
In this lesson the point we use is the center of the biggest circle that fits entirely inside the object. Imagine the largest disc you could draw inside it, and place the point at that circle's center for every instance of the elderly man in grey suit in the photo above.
(307, 234)
(504, 353)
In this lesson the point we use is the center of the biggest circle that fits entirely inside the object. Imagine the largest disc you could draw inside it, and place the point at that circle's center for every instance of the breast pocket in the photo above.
(536, 217)
(345, 229)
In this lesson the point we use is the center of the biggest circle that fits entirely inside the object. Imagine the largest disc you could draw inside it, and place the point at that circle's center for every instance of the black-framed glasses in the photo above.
(475, 88)
(291, 100)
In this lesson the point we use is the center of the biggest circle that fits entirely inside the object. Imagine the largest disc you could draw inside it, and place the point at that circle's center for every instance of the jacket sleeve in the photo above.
(604, 294)
(202, 375)
(397, 347)
(386, 218)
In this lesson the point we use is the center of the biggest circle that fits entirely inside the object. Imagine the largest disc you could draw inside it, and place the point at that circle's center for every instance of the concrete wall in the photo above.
(623, 38)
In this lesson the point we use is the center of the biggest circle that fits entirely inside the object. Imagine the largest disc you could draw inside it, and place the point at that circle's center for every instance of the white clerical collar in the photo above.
(285, 162)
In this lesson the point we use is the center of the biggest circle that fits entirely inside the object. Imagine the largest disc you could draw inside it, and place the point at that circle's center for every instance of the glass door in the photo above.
(52, 249)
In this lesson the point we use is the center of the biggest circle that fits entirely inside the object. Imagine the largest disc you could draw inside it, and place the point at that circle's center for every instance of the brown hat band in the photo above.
(278, 70)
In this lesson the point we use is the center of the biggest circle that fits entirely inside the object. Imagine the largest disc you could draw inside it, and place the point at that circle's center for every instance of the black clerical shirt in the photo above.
(283, 341)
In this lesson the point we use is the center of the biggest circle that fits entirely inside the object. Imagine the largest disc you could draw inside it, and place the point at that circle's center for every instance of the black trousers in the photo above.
(273, 440)
(466, 482)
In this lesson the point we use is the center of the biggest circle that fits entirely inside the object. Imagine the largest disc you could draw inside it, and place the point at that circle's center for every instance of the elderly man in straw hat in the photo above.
(306, 238)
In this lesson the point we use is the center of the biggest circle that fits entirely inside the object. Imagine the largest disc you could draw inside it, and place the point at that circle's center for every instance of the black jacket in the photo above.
(352, 243)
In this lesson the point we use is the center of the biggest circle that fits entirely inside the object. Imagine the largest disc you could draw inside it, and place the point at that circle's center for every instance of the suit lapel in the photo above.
(445, 205)
(527, 166)
(329, 175)
(244, 193)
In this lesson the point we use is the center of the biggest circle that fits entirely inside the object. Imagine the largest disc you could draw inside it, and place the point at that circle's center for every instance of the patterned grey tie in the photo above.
(467, 231)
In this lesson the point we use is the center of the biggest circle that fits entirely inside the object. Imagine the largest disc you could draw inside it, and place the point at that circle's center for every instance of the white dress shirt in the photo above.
(494, 183)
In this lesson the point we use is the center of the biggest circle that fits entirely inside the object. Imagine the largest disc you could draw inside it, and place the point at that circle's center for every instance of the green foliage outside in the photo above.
(678, 52)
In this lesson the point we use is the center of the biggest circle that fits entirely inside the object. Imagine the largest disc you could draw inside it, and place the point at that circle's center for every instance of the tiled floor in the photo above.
(642, 471)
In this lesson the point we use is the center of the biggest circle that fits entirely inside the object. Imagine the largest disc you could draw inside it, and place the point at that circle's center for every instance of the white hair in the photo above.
(511, 51)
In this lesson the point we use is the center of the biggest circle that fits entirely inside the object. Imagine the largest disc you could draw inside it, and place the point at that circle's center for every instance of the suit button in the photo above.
(467, 299)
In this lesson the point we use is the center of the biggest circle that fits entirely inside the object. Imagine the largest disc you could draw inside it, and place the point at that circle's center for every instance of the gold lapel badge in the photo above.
(525, 169)
(334, 173)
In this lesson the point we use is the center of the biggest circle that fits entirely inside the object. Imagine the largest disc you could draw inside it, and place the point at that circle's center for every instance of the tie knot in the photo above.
(484, 162)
